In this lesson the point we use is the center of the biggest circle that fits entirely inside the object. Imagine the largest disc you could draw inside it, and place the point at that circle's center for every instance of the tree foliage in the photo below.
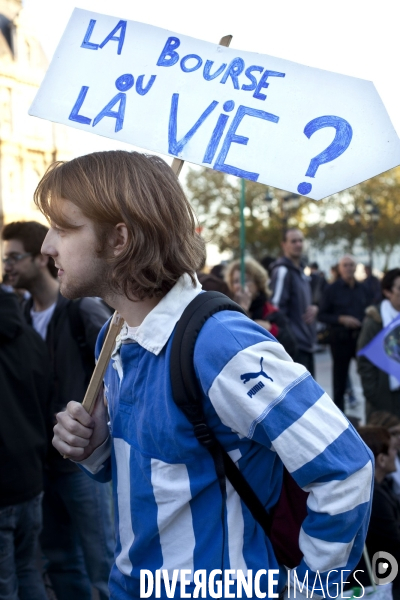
(216, 199)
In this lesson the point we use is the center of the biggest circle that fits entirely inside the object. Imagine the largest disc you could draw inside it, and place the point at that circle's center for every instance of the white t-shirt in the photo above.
(41, 319)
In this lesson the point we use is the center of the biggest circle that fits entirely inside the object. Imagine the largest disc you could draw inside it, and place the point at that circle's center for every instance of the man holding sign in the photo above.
(122, 229)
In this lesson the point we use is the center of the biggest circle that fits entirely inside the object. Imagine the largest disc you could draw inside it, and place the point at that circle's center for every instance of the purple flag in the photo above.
(384, 349)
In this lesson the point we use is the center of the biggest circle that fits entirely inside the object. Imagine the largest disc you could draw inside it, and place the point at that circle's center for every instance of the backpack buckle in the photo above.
(204, 435)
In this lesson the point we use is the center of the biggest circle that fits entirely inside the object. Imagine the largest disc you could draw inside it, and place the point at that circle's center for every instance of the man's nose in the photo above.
(48, 247)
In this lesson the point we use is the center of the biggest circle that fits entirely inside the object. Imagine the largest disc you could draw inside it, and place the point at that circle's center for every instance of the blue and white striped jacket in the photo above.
(167, 497)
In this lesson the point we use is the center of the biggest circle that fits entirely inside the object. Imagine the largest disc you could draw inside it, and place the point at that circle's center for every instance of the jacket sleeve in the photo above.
(326, 306)
(369, 373)
(293, 417)
(11, 319)
(98, 464)
(385, 523)
(280, 284)
(285, 335)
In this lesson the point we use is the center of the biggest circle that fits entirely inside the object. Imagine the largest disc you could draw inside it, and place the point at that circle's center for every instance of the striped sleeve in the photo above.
(264, 396)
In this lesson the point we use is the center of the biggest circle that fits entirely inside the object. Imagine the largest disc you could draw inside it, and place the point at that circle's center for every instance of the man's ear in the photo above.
(119, 238)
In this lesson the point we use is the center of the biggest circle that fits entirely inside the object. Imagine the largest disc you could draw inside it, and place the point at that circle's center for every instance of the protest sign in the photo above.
(297, 128)
(384, 349)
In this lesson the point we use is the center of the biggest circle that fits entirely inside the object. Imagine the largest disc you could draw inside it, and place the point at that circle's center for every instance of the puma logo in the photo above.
(247, 376)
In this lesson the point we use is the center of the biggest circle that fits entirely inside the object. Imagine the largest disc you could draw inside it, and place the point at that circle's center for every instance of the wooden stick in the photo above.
(96, 380)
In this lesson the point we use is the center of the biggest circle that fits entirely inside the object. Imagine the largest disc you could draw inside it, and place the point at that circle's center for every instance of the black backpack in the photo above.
(283, 525)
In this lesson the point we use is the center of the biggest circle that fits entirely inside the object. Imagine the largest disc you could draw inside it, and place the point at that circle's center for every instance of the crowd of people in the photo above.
(59, 285)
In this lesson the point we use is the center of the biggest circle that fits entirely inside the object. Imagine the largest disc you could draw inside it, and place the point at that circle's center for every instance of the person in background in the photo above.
(292, 294)
(77, 538)
(342, 309)
(382, 391)
(254, 299)
(392, 424)
(318, 283)
(218, 270)
(372, 286)
(334, 275)
(384, 527)
(25, 387)
(266, 262)
(212, 283)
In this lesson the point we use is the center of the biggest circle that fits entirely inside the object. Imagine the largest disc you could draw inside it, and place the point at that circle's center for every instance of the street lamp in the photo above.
(370, 216)
(287, 204)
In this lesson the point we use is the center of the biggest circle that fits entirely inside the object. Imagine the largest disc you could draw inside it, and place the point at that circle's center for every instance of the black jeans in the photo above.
(306, 359)
(20, 525)
(342, 353)
(78, 537)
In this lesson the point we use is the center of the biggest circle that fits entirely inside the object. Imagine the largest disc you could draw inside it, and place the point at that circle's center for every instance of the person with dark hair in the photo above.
(372, 286)
(318, 283)
(218, 270)
(122, 229)
(29, 236)
(392, 424)
(292, 294)
(77, 528)
(266, 262)
(25, 387)
(254, 299)
(212, 283)
(382, 391)
(342, 309)
(384, 527)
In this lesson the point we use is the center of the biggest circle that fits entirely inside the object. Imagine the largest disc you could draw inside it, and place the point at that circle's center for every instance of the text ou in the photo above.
(118, 102)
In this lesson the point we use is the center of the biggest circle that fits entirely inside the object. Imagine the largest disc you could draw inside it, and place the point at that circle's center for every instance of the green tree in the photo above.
(384, 190)
(215, 197)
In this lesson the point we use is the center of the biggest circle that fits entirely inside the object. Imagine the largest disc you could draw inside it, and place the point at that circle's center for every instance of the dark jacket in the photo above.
(261, 309)
(71, 375)
(375, 382)
(383, 532)
(292, 295)
(25, 387)
(341, 299)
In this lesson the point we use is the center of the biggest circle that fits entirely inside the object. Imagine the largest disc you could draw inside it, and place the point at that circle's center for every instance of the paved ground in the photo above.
(323, 366)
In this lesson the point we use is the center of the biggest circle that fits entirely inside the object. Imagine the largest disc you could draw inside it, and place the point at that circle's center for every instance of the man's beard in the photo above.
(96, 284)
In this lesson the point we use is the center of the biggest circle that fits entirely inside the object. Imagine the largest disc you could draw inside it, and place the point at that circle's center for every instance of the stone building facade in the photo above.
(28, 145)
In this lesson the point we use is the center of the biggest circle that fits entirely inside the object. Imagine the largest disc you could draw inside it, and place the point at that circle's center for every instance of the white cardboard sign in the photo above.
(255, 116)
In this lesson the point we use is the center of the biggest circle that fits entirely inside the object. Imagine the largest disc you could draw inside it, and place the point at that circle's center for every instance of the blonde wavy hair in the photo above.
(254, 270)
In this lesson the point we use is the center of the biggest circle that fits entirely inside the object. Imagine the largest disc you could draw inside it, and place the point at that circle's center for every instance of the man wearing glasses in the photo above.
(76, 540)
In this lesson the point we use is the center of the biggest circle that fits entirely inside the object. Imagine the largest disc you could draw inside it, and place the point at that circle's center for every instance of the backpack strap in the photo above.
(187, 395)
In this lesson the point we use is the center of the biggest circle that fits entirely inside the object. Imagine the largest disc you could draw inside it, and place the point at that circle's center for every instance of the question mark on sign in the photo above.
(343, 136)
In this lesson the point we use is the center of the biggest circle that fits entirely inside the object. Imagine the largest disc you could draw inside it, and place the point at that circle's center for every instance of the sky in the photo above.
(352, 37)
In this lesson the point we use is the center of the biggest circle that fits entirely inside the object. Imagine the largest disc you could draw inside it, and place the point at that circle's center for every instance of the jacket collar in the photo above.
(341, 282)
(159, 324)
